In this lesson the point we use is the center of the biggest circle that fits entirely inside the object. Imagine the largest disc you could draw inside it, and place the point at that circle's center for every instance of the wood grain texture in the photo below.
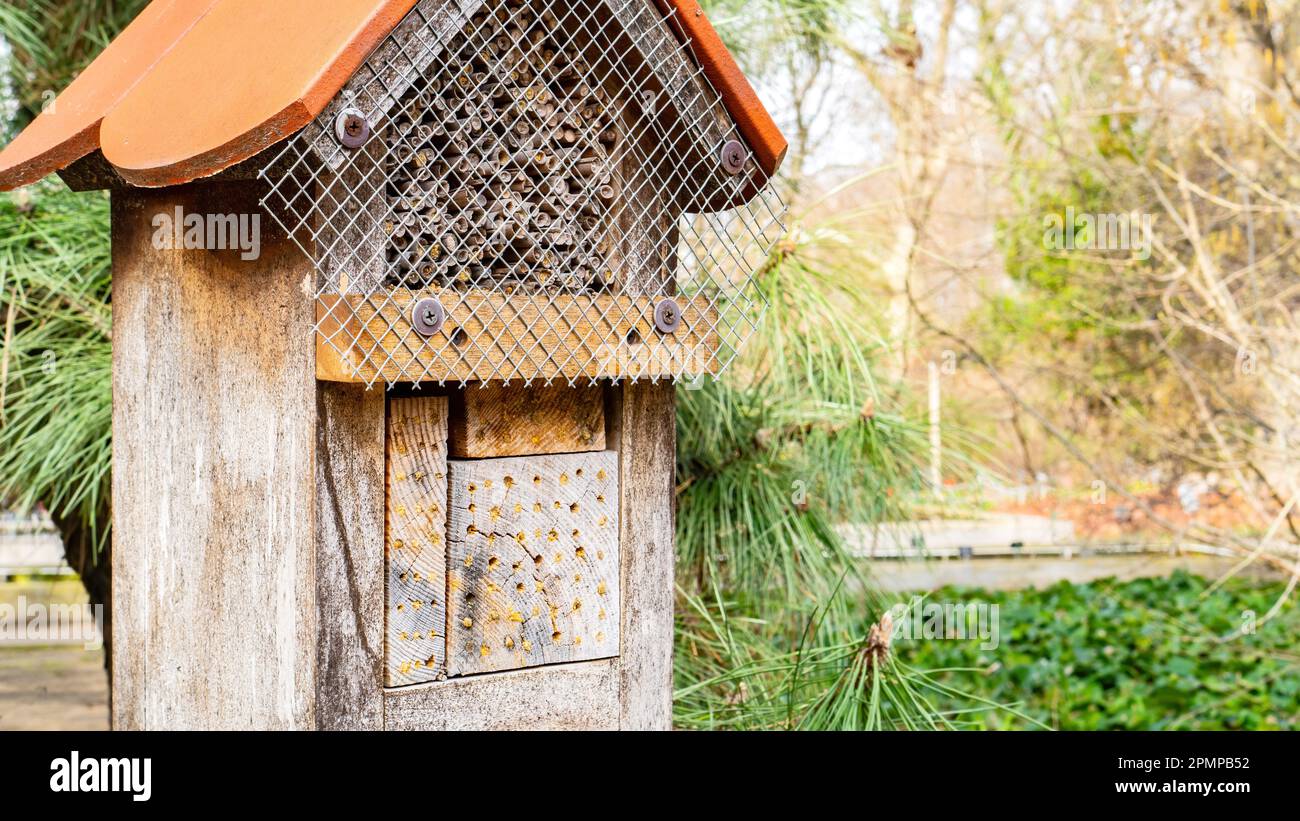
(643, 428)
(349, 557)
(214, 438)
(493, 420)
(416, 551)
(346, 221)
(579, 337)
(401, 60)
(582, 696)
(532, 563)
(689, 110)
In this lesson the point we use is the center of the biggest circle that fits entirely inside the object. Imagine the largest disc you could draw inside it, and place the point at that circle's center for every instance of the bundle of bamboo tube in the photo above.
(501, 171)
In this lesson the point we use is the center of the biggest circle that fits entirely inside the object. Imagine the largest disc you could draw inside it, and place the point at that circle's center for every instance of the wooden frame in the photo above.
(632, 691)
(247, 492)
(370, 339)
(215, 583)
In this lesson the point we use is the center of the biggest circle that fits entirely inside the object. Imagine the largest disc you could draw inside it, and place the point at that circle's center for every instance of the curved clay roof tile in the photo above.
(248, 75)
(69, 129)
(192, 87)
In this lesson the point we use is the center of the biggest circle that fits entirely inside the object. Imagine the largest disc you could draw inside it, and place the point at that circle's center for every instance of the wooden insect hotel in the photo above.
(406, 460)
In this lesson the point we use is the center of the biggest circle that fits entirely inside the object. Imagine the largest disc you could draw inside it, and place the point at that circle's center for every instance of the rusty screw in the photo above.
(427, 317)
(352, 128)
(734, 157)
(668, 316)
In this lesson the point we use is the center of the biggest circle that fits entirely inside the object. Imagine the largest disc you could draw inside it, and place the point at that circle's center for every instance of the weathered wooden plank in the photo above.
(416, 551)
(582, 696)
(648, 52)
(494, 420)
(214, 435)
(532, 561)
(401, 60)
(349, 561)
(643, 429)
(492, 336)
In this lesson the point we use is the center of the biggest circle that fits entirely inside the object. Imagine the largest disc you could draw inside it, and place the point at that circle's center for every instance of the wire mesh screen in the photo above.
(528, 190)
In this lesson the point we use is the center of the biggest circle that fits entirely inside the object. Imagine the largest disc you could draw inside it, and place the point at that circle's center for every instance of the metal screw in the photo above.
(427, 317)
(668, 316)
(734, 157)
(352, 128)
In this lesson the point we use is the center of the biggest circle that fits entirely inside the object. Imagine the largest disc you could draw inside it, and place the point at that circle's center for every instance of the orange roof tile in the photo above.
(752, 118)
(69, 130)
(192, 87)
(248, 75)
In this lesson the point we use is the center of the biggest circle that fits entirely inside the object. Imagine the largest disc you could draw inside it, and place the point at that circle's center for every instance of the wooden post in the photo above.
(643, 425)
(349, 521)
(214, 437)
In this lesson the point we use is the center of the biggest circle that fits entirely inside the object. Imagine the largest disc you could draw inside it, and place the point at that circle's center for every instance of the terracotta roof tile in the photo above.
(247, 76)
(192, 87)
(69, 130)
(718, 64)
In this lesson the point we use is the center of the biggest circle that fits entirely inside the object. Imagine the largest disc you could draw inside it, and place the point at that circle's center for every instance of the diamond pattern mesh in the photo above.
(538, 192)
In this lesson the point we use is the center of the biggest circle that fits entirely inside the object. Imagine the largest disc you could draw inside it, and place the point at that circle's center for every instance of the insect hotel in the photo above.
(402, 291)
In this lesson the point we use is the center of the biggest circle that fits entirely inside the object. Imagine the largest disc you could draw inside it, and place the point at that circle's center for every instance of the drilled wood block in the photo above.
(415, 554)
(495, 420)
(532, 561)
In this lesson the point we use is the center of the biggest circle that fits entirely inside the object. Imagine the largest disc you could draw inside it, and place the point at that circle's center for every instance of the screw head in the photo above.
(428, 317)
(352, 128)
(668, 316)
(734, 157)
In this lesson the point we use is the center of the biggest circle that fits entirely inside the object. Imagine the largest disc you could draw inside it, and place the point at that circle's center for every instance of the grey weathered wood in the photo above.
(643, 424)
(349, 557)
(532, 561)
(94, 173)
(687, 98)
(416, 549)
(214, 436)
(396, 64)
(347, 221)
(581, 696)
